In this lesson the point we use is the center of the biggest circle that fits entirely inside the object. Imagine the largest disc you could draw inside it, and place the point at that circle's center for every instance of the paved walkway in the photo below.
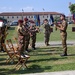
(55, 43)
(54, 73)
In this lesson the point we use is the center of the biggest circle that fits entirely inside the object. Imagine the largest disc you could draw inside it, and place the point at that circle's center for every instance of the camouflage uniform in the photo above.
(27, 36)
(64, 35)
(47, 33)
(21, 39)
(63, 27)
(33, 32)
(2, 38)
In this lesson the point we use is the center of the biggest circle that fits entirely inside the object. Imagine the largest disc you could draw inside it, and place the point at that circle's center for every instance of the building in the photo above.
(11, 16)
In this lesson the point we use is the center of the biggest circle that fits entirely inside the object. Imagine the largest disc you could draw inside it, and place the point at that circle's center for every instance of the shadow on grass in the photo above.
(32, 69)
(2, 59)
(48, 59)
(11, 28)
(3, 54)
(71, 54)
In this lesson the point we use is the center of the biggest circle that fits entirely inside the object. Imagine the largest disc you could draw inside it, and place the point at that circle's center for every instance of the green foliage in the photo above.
(72, 8)
(56, 19)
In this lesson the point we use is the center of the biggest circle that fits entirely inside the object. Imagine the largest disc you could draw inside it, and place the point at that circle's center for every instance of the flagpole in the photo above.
(43, 12)
(32, 11)
(22, 13)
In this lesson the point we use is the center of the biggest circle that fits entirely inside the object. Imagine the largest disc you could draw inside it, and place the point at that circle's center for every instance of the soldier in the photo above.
(33, 31)
(63, 27)
(27, 34)
(46, 32)
(3, 36)
(21, 36)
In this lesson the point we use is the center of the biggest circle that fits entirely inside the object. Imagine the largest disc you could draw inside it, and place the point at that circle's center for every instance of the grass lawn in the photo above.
(55, 35)
(44, 59)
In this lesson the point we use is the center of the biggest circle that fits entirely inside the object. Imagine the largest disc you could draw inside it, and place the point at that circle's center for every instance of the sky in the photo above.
(60, 6)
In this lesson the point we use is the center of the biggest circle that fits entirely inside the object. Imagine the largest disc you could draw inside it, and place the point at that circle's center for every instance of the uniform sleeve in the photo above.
(65, 25)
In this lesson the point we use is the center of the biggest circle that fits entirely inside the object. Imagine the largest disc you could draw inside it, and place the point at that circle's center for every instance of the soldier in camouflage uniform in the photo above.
(63, 27)
(46, 31)
(2, 37)
(27, 33)
(33, 31)
(21, 37)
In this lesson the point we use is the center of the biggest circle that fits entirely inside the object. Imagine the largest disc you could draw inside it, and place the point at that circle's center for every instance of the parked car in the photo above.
(14, 23)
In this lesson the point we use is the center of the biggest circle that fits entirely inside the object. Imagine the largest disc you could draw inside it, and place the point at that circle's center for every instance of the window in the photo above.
(17, 16)
(31, 16)
(43, 16)
(47, 16)
(3, 16)
(8, 17)
(12, 16)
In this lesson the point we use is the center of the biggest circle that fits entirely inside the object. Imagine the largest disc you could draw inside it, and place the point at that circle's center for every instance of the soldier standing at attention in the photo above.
(27, 33)
(47, 32)
(33, 31)
(63, 27)
(21, 37)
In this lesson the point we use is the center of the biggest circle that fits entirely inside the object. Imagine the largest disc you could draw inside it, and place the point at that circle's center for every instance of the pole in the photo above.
(22, 13)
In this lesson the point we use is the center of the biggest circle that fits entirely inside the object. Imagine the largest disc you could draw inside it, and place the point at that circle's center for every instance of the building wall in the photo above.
(30, 17)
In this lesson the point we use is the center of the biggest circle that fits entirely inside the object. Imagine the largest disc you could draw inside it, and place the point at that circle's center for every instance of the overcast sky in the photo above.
(60, 6)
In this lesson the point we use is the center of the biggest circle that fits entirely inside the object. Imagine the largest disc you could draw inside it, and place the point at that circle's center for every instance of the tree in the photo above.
(72, 8)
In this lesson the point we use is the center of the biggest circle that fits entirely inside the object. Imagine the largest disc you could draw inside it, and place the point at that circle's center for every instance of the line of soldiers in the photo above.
(25, 31)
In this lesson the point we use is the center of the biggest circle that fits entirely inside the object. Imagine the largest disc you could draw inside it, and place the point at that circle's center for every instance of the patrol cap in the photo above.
(31, 21)
(20, 21)
(26, 19)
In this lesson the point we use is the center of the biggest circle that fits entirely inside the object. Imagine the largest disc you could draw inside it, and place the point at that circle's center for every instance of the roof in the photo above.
(28, 13)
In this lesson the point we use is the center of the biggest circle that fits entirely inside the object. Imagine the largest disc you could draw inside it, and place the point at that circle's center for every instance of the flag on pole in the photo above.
(43, 9)
(74, 16)
(70, 3)
(37, 20)
(51, 19)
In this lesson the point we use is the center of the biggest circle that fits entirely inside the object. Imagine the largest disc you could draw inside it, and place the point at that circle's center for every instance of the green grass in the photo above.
(44, 59)
(55, 35)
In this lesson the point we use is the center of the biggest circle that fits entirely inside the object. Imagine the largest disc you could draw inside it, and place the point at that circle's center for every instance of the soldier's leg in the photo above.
(0, 46)
(2, 41)
(45, 38)
(64, 44)
(21, 46)
(48, 35)
(27, 42)
(33, 41)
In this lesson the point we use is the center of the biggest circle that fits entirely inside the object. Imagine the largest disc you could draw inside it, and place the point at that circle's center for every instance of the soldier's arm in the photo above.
(63, 27)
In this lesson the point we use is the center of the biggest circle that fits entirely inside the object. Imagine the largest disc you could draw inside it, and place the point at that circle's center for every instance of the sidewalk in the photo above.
(55, 43)
(54, 73)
